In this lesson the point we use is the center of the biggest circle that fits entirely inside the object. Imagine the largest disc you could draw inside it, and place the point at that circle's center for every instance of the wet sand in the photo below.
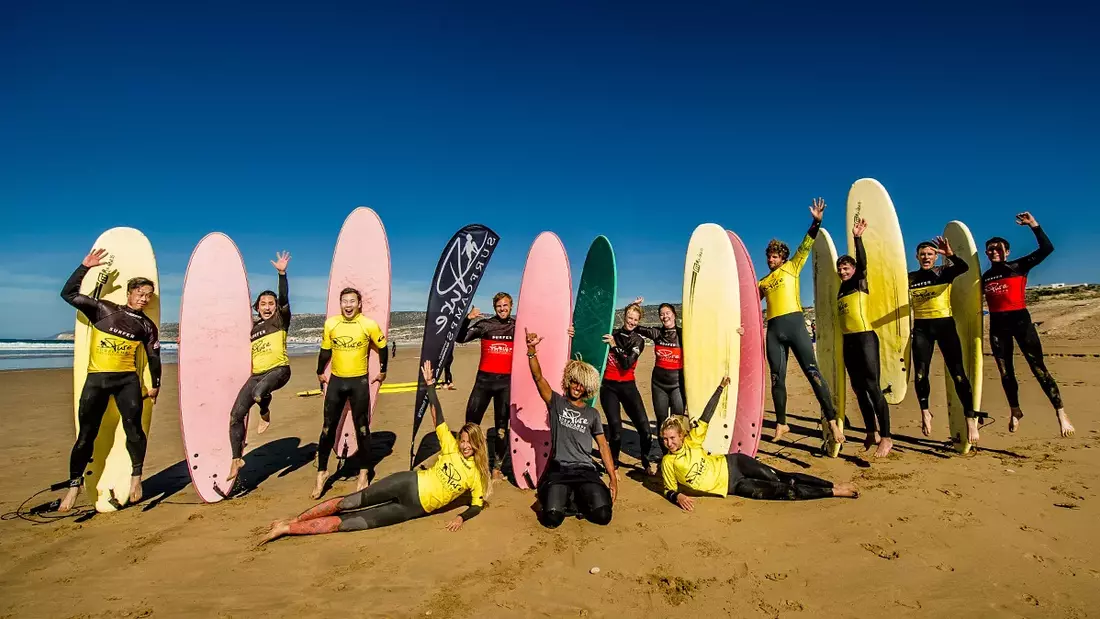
(1009, 531)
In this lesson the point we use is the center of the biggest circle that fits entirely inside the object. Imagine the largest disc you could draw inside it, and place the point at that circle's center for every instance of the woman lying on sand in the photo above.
(688, 464)
(462, 465)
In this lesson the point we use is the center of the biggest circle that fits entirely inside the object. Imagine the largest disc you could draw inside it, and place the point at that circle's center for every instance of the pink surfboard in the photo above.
(361, 261)
(753, 372)
(215, 359)
(545, 307)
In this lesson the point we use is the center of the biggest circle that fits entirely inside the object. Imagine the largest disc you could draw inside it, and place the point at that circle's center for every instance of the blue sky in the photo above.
(639, 121)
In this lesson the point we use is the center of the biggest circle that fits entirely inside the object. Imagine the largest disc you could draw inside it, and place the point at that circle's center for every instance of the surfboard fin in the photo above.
(112, 500)
(527, 476)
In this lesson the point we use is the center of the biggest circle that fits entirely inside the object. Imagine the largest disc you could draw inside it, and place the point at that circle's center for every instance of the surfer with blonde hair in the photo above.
(687, 465)
(620, 391)
(571, 482)
(462, 467)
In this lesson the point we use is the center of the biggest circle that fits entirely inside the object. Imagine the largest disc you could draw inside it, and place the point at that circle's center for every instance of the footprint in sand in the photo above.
(950, 493)
(943, 567)
(793, 606)
(1025, 528)
(880, 552)
(1038, 559)
(776, 576)
(1031, 599)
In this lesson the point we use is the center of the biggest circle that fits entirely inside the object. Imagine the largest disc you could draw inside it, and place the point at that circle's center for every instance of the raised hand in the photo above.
(474, 314)
(943, 247)
(533, 339)
(94, 258)
(817, 209)
(1025, 219)
(280, 262)
(426, 372)
(637, 300)
(859, 228)
(725, 381)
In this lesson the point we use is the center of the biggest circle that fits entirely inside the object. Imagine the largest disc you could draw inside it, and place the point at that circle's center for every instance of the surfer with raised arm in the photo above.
(930, 300)
(666, 384)
(117, 332)
(462, 467)
(1004, 284)
(687, 465)
(270, 363)
(786, 326)
(860, 343)
(619, 390)
(346, 344)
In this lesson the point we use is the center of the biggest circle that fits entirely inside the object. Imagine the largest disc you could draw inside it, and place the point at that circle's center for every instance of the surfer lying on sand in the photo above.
(270, 363)
(688, 465)
(462, 466)
(571, 483)
(619, 390)
(786, 330)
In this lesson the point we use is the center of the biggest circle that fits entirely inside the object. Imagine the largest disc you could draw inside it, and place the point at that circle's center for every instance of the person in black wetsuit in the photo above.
(620, 390)
(270, 363)
(494, 372)
(930, 300)
(1004, 285)
(667, 381)
(571, 480)
(117, 332)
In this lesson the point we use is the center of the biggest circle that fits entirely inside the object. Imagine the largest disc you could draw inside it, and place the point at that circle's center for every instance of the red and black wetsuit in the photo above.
(1004, 284)
(494, 377)
(667, 383)
(619, 389)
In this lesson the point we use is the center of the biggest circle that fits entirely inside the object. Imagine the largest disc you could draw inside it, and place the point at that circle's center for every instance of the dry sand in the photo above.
(1003, 532)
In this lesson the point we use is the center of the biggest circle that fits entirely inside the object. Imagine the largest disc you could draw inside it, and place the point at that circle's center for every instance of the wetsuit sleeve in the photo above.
(1033, 259)
(433, 400)
(284, 301)
(626, 358)
(668, 474)
(804, 248)
(152, 353)
(861, 260)
(325, 356)
(952, 268)
(649, 333)
(470, 512)
(467, 333)
(383, 358)
(71, 293)
(712, 405)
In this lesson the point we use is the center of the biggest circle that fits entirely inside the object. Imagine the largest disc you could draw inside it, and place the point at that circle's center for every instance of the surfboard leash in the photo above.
(46, 513)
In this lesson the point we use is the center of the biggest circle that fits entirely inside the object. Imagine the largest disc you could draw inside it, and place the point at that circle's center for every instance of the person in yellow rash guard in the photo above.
(860, 343)
(118, 331)
(687, 465)
(270, 363)
(463, 466)
(787, 327)
(345, 344)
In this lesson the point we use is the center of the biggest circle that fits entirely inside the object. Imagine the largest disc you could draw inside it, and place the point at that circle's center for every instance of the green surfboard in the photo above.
(594, 312)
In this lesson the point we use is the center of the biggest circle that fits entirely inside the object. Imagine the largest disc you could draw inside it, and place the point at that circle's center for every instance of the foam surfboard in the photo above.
(594, 313)
(712, 315)
(546, 308)
(830, 343)
(107, 476)
(361, 260)
(215, 359)
(966, 307)
(887, 282)
(753, 372)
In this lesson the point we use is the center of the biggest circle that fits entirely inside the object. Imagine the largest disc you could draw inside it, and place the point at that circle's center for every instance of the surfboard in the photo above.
(107, 476)
(215, 359)
(966, 307)
(361, 260)
(887, 282)
(545, 307)
(594, 312)
(830, 343)
(753, 372)
(711, 317)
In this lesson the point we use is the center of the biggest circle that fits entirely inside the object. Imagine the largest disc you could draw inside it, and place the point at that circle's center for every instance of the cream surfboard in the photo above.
(829, 345)
(966, 307)
(711, 317)
(107, 476)
(887, 282)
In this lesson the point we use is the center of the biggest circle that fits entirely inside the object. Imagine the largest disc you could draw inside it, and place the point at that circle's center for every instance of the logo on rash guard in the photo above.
(261, 346)
(499, 349)
(696, 471)
(573, 419)
(996, 287)
(347, 342)
(665, 354)
(116, 346)
(450, 476)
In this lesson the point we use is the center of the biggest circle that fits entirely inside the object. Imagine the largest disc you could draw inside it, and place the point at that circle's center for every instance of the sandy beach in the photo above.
(1003, 532)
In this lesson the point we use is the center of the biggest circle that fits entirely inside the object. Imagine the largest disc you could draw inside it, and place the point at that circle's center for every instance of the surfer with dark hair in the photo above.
(346, 343)
(786, 329)
(620, 391)
(687, 465)
(571, 482)
(462, 467)
(666, 384)
(117, 332)
(270, 363)
(494, 371)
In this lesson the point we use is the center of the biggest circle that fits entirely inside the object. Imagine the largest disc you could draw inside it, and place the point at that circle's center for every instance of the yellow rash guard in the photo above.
(691, 466)
(349, 341)
(780, 289)
(852, 297)
(269, 336)
(930, 289)
(450, 476)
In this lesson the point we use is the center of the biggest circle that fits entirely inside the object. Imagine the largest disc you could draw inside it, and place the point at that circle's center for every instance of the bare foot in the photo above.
(498, 475)
(846, 489)
(926, 422)
(618, 473)
(1014, 420)
(650, 469)
(234, 470)
(264, 424)
(1063, 423)
(870, 441)
(363, 481)
(780, 430)
(322, 477)
(838, 436)
(972, 435)
(70, 499)
(135, 488)
(884, 447)
(278, 530)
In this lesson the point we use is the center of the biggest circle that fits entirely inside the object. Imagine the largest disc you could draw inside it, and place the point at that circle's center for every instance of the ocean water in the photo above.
(39, 354)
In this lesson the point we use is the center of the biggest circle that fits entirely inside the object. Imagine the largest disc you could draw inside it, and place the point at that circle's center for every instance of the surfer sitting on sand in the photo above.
(619, 390)
(787, 326)
(270, 363)
(689, 466)
(116, 334)
(571, 482)
(462, 466)
(861, 353)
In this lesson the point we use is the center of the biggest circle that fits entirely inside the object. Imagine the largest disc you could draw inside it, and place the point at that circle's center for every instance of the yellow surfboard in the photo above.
(711, 317)
(830, 342)
(966, 307)
(887, 282)
(107, 476)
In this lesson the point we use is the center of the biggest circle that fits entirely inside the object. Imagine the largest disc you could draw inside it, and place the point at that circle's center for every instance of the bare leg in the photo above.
(1063, 423)
(926, 422)
(319, 489)
(1014, 420)
(70, 499)
(135, 488)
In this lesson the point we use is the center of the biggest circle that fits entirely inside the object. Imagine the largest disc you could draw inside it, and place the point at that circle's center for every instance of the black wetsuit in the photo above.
(117, 332)
(571, 479)
(861, 347)
(494, 378)
(1004, 285)
(667, 382)
(619, 391)
(929, 296)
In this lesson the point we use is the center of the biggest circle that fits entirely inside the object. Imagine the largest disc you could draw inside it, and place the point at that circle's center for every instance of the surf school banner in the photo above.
(457, 276)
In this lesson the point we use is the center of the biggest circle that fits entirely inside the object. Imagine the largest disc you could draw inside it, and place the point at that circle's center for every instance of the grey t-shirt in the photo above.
(573, 429)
